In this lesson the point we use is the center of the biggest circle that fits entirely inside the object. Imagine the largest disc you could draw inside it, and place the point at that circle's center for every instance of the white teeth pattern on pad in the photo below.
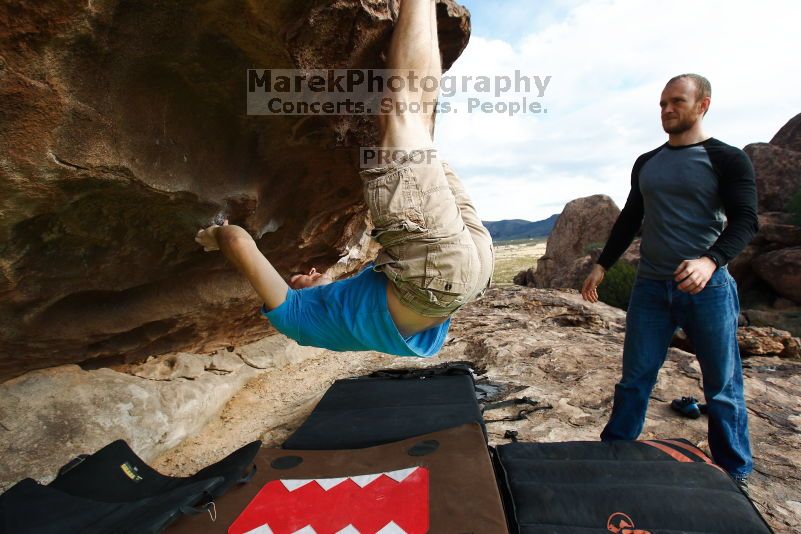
(328, 483)
(292, 485)
(362, 480)
(401, 474)
(389, 528)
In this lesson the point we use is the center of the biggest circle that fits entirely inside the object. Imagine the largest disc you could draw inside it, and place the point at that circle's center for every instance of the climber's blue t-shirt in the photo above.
(351, 315)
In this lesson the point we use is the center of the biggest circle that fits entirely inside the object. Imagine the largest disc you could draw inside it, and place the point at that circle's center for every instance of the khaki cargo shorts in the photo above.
(435, 250)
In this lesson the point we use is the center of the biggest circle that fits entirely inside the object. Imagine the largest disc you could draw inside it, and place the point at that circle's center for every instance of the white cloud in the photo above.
(609, 61)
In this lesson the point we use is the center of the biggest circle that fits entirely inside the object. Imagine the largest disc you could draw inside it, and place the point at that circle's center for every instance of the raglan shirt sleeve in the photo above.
(628, 222)
(739, 195)
(286, 317)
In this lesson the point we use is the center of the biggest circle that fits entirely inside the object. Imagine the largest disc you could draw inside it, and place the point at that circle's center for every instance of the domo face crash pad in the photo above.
(623, 487)
(442, 482)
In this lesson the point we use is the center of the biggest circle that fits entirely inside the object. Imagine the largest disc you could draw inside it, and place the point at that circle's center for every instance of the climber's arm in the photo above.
(240, 249)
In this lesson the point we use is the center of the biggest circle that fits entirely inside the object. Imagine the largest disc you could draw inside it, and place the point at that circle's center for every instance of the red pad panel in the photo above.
(391, 502)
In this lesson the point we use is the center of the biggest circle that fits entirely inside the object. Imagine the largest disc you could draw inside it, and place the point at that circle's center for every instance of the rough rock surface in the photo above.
(781, 269)
(753, 341)
(785, 319)
(776, 231)
(275, 352)
(47, 417)
(123, 129)
(173, 366)
(787, 235)
(789, 136)
(777, 174)
(583, 227)
(767, 341)
(550, 346)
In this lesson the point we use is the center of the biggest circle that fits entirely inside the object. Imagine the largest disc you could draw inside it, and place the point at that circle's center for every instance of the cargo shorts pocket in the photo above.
(451, 272)
(394, 200)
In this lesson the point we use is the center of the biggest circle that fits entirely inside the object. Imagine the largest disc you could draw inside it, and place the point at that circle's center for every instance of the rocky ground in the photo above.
(556, 349)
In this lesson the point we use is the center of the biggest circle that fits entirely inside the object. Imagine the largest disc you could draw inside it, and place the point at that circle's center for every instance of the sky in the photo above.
(608, 61)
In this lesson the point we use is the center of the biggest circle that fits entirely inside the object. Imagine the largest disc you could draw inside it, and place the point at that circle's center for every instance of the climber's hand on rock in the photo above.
(590, 289)
(208, 237)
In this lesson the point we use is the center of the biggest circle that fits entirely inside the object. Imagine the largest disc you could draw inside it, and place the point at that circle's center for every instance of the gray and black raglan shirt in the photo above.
(690, 201)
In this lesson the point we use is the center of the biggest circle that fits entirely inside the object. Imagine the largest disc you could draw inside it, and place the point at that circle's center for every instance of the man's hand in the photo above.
(694, 274)
(590, 289)
(208, 237)
(240, 249)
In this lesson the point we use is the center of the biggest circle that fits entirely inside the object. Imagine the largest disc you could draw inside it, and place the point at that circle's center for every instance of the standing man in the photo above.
(436, 255)
(682, 196)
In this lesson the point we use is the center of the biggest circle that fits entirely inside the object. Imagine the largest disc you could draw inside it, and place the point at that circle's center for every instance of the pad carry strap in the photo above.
(72, 463)
(194, 510)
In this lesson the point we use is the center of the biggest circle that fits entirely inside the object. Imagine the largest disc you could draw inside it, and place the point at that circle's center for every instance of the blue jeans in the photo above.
(709, 318)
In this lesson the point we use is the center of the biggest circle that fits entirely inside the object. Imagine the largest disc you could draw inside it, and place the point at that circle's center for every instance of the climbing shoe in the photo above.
(687, 407)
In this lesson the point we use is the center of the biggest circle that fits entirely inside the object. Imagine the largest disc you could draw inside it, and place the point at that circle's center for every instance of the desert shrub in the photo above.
(615, 290)
(794, 207)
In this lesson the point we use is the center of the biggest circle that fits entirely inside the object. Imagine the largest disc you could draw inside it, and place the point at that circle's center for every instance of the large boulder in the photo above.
(781, 269)
(741, 269)
(582, 228)
(790, 135)
(123, 130)
(776, 231)
(778, 235)
(777, 173)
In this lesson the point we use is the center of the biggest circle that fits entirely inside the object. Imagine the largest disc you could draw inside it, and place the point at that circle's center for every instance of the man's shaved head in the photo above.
(702, 85)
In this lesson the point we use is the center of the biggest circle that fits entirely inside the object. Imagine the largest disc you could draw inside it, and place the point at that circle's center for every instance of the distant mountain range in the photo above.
(520, 229)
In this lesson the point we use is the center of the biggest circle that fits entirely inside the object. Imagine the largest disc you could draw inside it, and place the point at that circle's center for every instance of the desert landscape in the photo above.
(511, 257)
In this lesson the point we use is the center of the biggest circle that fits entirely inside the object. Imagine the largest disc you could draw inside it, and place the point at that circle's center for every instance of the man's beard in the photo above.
(681, 126)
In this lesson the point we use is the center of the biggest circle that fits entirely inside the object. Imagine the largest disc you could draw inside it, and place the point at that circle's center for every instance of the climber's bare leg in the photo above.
(414, 49)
